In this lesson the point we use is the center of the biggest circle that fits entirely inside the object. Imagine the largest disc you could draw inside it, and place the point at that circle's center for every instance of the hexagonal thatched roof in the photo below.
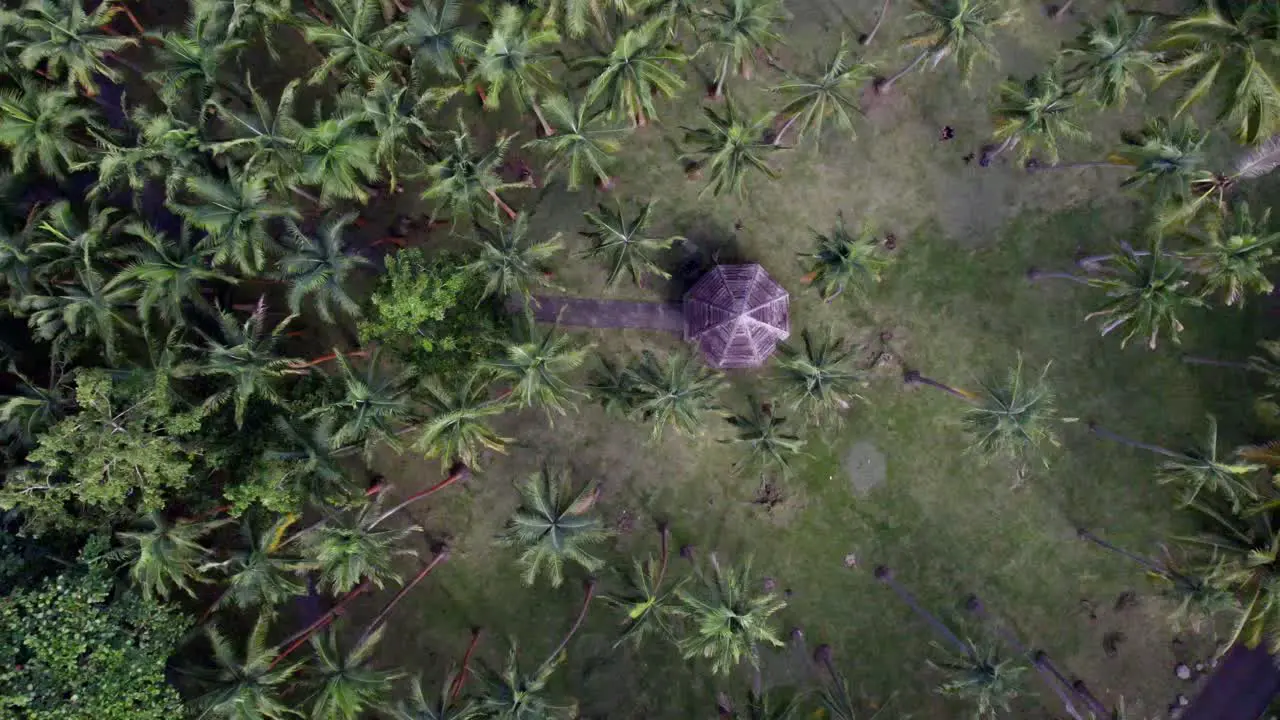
(737, 315)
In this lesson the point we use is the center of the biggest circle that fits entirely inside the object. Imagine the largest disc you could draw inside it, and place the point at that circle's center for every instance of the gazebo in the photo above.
(736, 315)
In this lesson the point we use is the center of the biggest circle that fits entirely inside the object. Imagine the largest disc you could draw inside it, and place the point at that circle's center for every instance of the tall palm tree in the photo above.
(457, 428)
(981, 677)
(348, 550)
(312, 464)
(190, 69)
(264, 140)
(620, 238)
(248, 687)
(514, 60)
(729, 621)
(261, 574)
(1167, 158)
(340, 157)
(675, 19)
(1213, 48)
(1013, 417)
(583, 145)
(347, 687)
(69, 41)
(241, 20)
(166, 148)
(244, 356)
(828, 95)
(509, 264)
(444, 706)
(676, 392)
(640, 67)
(760, 704)
(820, 378)
(63, 242)
(86, 308)
(1111, 57)
(959, 29)
(165, 556)
(319, 266)
(842, 260)
(432, 35)
(168, 273)
(611, 385)
(729, 147)
(375, 404)
(45, 126)
(536, 366)
(349, 39)
(1035, 115)
(736, 30)
(554, 525)
(1233, 254)
(834, 694)
(1145, 295)
(394, 113)
(34, 407)
(464, 181)
(237, 214)
(649, 607)
(767, 444)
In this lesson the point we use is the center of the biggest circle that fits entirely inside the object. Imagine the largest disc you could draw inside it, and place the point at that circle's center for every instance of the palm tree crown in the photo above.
(1012, 417)
(248, 687)
(1112, 56)
(244, 356)
(347, 550)
(554, 525)
(768, 446)
(729, 147)
(537, 368)
(432, 35)
(346, 687)
(457, 428)
(737, 28)
(509, 264)
(166, 555)
(318, 266)
(69, 40)
(983, 678)
(832, 94)
(843, 260)
(44, 126)
(640, 67)
(1035, 115)
(729, 621)
(1234, 253)
(674, 392)
(621, 239)
(349, 40)
(819, 379)
(583, 144)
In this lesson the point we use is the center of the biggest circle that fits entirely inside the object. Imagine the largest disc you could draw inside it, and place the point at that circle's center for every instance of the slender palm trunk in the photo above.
(911, 377)
(887, 85)
(885, 575)
(1115, 437)
(501, 205)
(589, 593)
(1096, 708)
(459, 472)
(1008, 143)
(547, 130)
(1077, 166)
(326, 358)
(666, 551)
(304, 195)
(455, 688)
(1151, 565)
(1062, 10)
(296, 640)
(1035, 275)
(721, 77)
(777, 139)
(884, 10)
(1233, 364)
(381, 617)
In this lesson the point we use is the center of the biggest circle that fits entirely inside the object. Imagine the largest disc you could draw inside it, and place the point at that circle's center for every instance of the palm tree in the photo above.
(168, 273)
(819, 379)
(347, 549)
(832, 94)
(265, 140)
(339, 157)
(457, 428)
(441, 707)
(729, 621)
(86, 308)
(432, 35)
(166, 148)
(621, 239)
(346, 687)
(981, 677)
(640, 67)
(375, 404)
(509, 264)
(63, 242)
(674, 18)
(610, 385)
(312, 465)
(1145, 295)
(1013, 417)
(959, 29)
(442, 556)
(248, 688)
(515, 58)
(1233, 254)
(554, 525)
(319, 266)
(834, 694)
(536, 366)
(737, 29)
(27, 414)
(465, 181)
(394, 113)
(243, 20)
(166, 556)
(244, 354)
(647, 606)
(67, 40)
(348, 39)
(842, 260)
(260, 574)
(236, 213)
(189, 69)
(1213, 48)
(728, 148)
(768, 446)
(45, 125)
(1111, 56)
(1168, 158)
(676, 392)
(1034, 115)
(584, 144)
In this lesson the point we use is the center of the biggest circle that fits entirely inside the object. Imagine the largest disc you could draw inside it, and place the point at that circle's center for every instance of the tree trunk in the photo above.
(1149, 564)
(304, 195)
(590, 593)
(381, 617)
(547, 130)
(887, 85)
(296, 640)
(133, 19)
(884, 10)
(911, 377)
(455, 688)
(1234, 365)
(885, 575)
(720, 78)
(1114, 437)
(777, 139)
(1076, 166)
(326, 358)
(1061, 10)
(501, 205)
(1096, 708)
(1034, 275)
(459, 472)
(666, 551)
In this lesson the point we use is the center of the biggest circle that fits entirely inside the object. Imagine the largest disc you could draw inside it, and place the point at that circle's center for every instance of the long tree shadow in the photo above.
(705, 245)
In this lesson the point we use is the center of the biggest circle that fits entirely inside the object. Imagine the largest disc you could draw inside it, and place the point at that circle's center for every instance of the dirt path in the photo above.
(587, 312)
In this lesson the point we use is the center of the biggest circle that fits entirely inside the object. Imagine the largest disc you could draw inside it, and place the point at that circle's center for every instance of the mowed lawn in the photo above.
(956, 307)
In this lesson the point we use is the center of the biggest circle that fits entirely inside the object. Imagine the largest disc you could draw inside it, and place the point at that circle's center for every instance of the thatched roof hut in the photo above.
(736, 314)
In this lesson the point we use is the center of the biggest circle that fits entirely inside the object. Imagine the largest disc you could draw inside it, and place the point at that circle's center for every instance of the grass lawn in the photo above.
(956, 307)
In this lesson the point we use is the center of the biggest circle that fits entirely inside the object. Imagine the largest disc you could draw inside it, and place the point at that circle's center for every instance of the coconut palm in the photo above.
(348, 550)
(393, 112)
(319, 266)
(346, 686)
(728, 148)
(27, 414)
(189, 68)
(767, 445)
(981, 677)
(760, 705)
(1111, 57)
(675, 19)
(1035, 115)
(18, 266)
(513, 60)
(610, 385)
(640, 67)
(536, 365)
(676, 391)
(508, 263)
(348, 39)
(959, 29)
(240, 20)
(1213, 48)
(63, 242)
(244, 356)
(1013, 417)
(45, 126)
(375, 405)
(1167, 158)
(85, 308)
(648, 607)
(340, 157)
(829, 95)
(261, 574)
(165, 556)
(237, 214)
(457, 427)
(583, 145)
(432, 35)
(621, 239)
(553, 526)
(1233, 253)
(70, 42)
(736, 30)
(441, 707)
(842, 260)
(248, 687)
(464, 181)
(834, 694)
(513, 694)
(168, 273)
(729, 621)
(1145, 294)
(165, 148)
(264, 140)
(312, 463)
(820, 378)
